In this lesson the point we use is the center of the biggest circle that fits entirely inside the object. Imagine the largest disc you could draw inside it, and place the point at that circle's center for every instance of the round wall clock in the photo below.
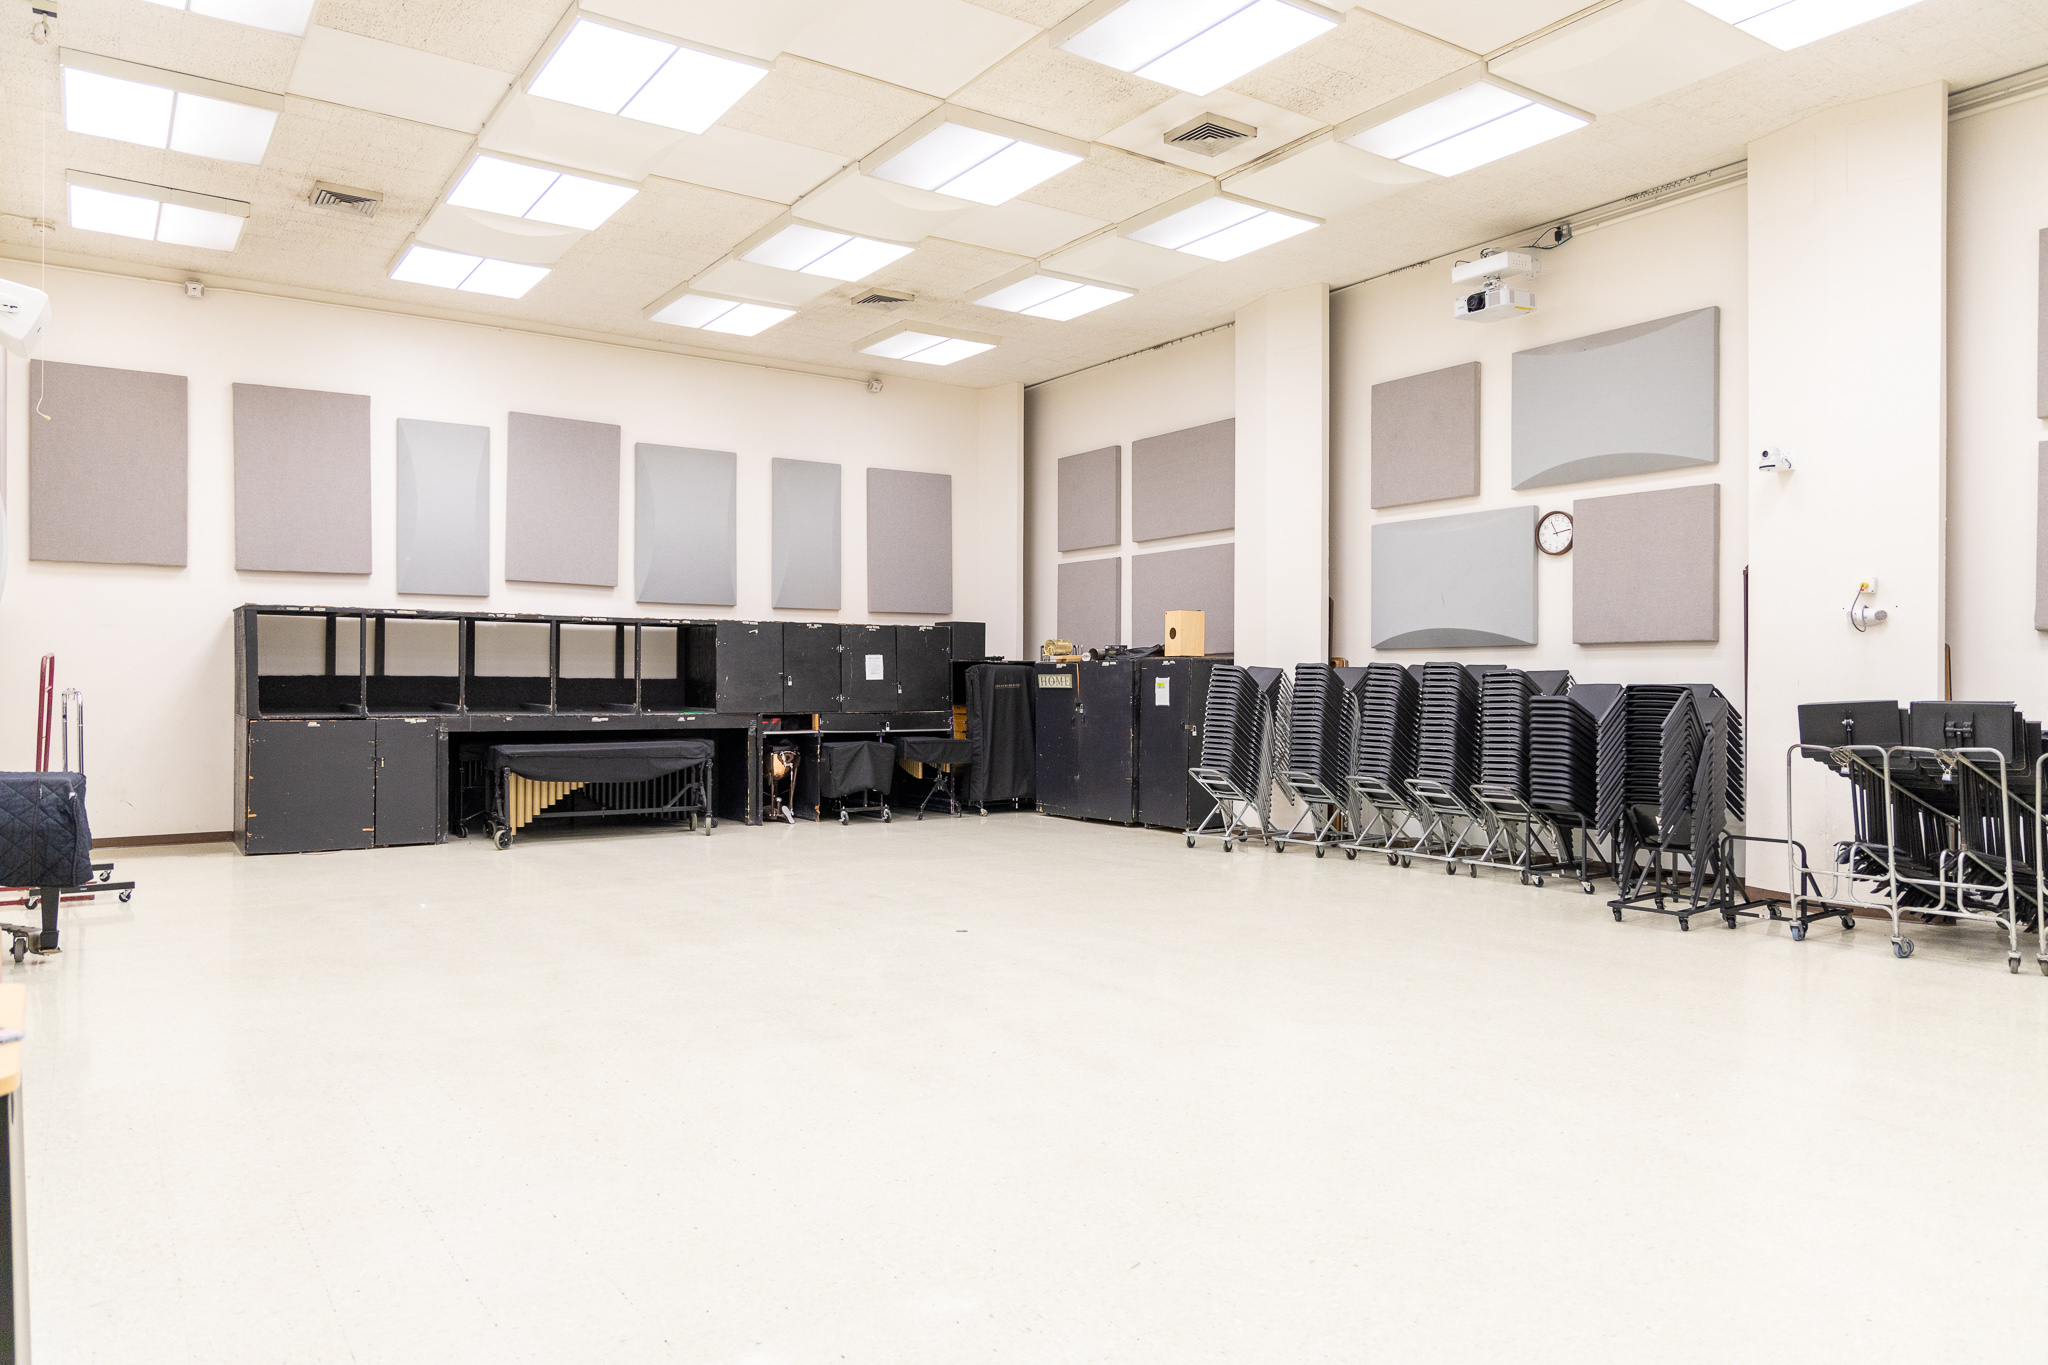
(1554, 533)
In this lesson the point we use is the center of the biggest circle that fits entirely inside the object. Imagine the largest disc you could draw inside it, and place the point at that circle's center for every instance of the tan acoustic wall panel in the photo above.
(1646, 567)
(1425, 437)
(561, 501)
(910, 541)
(1091, 499)
(1090, 602)
(302, 480)
(106, 471)
(1184, 483)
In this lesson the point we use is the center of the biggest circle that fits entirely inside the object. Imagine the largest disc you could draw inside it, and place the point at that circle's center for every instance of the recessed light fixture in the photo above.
(617, 69)
(712, 313)
(926, 344)
(1798, 22)
(1465, 120)
(527, 189)
(472, 274)
(1040, 293)
(279, 16)
(154, 213)
(822, 251)
(1193, 45)
(166, 109)
(973, 156)
(1216, 226)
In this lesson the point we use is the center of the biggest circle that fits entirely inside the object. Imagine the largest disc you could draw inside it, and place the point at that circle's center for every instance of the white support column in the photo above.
(1848, 317)
(997, 547)
(1283, 478)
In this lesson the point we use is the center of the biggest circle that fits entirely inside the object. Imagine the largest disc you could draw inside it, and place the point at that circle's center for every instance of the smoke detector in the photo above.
(348, 197)
(1210, 134)
(883, 300)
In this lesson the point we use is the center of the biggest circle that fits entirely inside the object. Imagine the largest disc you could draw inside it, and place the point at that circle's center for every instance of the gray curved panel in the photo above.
(804, 532)
(1452, 582)
(444, 508)
(1632, 401)
(685, 525)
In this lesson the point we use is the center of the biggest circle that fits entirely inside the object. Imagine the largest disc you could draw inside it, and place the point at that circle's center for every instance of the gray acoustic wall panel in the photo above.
(806, 535)
(1203, 579)
(1091, 598)
(444, 508)
(1455, 582)
(1091, 499)
(1185, 482)
(685, 525)
(2041, 543)
(561, 501)
(910, 541)
(1631, 401)
(1425, 437)
(2041, 346)
(106, 472)
(302, 480)
(1646, 567)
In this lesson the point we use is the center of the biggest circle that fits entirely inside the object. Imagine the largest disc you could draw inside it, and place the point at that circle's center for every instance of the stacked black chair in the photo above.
(1315, 756)
(1235, 766)
(1504, 729)
(1387, 699)
(1447, 763)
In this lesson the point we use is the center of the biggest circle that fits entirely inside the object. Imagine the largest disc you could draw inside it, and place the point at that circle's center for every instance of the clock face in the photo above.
(1554, 533)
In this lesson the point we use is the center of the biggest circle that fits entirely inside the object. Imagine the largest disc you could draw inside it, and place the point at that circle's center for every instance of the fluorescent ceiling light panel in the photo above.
(473, 274)
(129, 208)
(279, 16)
(520, 189)
(166, 109)
(991, 163)
(638, 75)
(1039, 295)
(925, 345)
(1798, 22)
(1482, 120)
(1194, 45)
(820, 251)
(735, 317)
(1218, 227)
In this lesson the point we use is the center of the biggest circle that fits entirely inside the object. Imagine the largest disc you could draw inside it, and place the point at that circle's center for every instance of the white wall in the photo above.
(1671, 260)
(151, 646)
(1179, 386)
(1998, 204)
(1283, 478)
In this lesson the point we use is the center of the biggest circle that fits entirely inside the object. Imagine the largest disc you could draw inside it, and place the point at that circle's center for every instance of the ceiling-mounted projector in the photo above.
(1496, 303)
(23, 311)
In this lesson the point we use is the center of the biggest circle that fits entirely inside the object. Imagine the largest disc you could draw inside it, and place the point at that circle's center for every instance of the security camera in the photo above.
(23, 311)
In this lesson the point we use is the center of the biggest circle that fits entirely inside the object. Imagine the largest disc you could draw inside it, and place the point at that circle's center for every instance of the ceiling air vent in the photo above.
(882, 300)
(1210, 134)
(348, 197)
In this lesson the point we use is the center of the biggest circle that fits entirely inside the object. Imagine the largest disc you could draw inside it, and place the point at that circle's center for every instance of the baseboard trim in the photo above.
(225, 836)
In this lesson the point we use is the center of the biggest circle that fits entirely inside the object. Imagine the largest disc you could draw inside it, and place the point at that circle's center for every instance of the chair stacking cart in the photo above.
(1236, 766)
(1318, 739)
(1386, 703)
(1451, 823)
(1674, 854)
(1568, 734)
(1520, 836)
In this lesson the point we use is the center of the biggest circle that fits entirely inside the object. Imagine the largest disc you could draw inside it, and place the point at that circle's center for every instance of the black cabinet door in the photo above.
(749, 667)
(1171, 695)
(1108, 742)
(411, 781)
(869, 680)
(924, 656)
(1056, 717)
(310, 785)
(810, 667)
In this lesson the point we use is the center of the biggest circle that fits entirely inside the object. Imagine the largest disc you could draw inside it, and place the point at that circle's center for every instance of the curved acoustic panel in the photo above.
(1455, 582)
(1632, 401)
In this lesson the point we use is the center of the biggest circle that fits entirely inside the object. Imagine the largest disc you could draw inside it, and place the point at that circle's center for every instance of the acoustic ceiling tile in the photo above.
(861, 204)
(1478, 26)
(581, 139)
(746, 280)
(744, 163)
(1113, 185)
(1020, 228)
(1324, 178)
(1044, 87)
(1145, 134)
(503, 37)
(1360, 65)
(1633, 52)
(384, 78)
(935, 46)
(815, 105)
(1119, 260)
(1040, 13)
(497, 236)
(757, 28)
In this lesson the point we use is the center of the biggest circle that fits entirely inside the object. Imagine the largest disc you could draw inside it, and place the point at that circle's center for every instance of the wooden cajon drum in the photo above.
(1184, 635)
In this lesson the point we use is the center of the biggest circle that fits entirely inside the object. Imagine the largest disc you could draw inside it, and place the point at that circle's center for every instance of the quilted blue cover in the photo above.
(44, 839)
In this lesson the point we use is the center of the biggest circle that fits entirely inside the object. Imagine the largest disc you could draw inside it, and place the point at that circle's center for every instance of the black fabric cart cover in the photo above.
(620, 761)
(1000, 729)
(934, 749)
(44, 838)
(862, 766)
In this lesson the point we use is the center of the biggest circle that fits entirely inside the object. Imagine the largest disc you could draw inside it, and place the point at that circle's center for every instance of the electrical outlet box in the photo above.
(1868, 583)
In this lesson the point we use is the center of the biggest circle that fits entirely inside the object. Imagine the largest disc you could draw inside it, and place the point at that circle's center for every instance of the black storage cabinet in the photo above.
(1171, 696)
(1056, 724)
(924, 662)
(859, 692)
(970, 640)
(810, 667)
(308, 785)
(749, 668)
(1109, 741)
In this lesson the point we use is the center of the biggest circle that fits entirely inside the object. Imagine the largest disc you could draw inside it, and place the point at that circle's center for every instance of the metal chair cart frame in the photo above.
(1382, 820)
(1446, 826)
(1524, 837)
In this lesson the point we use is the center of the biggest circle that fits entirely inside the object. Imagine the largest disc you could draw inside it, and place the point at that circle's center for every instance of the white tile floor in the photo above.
(1015, 1090)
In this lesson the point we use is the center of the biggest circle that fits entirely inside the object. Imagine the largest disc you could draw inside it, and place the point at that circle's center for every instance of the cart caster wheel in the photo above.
(2044, 965)
(1450, 869)
(106, 876)
(1226, 845)
(125, 895)
(1350, 855)
(1539, 883)
(1320, 850)
(1191, 841)
(2013, 964)
(20, 951)
(1617, 916)
(1280, 848)
(1586, 887)
(1684, 926)
(844, 819)
(1525, 879)
(1799, 933)
(885, 817)
(1848, 921)
(1405, 862)
(502, 839)
(1472, 869)
(1728, 920)
(1393, 860)
(1902, 948)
